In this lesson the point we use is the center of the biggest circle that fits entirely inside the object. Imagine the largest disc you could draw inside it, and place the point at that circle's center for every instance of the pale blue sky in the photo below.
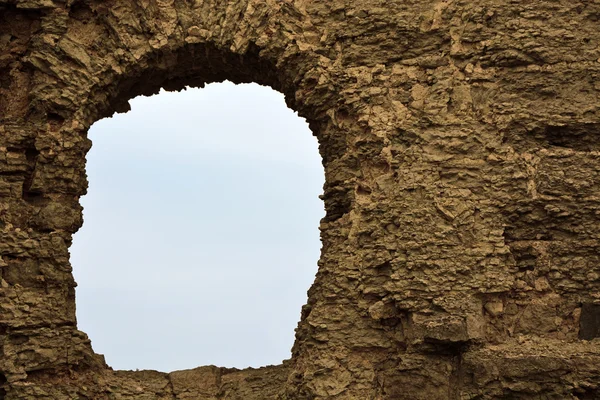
(201, 230)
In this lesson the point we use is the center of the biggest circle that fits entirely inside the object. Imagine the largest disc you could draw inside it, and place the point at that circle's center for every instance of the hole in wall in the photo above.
(201, 230)
(576, 136)
(2, 389)
(587, 393)
(589, 321)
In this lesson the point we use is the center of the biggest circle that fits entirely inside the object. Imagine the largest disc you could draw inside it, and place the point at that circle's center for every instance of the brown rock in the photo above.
(460, 144)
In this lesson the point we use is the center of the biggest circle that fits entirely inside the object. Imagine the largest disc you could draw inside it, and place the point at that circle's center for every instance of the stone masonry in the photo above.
(461, 147)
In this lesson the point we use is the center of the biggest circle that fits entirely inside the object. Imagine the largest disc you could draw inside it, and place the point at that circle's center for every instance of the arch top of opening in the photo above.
(191, 66)
(148, 46)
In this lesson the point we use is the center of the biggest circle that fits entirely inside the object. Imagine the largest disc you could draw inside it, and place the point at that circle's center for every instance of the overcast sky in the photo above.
(201, 234)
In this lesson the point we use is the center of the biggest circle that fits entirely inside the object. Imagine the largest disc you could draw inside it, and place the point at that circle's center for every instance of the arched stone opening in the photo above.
(201, 230)
(76, 82)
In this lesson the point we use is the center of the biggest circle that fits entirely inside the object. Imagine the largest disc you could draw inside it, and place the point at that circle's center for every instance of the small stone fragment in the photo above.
(494, 308)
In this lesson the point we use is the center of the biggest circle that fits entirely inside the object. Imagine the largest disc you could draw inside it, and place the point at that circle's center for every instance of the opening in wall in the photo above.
(201, 230)
(2, 390)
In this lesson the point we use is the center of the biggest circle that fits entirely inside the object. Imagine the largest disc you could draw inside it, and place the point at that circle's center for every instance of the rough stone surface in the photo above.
(461, 147)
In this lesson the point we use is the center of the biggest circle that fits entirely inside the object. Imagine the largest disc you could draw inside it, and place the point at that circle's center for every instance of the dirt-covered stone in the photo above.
(460, 141)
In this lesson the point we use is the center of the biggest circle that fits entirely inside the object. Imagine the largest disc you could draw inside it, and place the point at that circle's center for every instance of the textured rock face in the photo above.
(461, 144)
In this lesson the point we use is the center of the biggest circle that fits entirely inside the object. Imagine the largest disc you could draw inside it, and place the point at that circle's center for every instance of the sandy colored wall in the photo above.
(461, 147)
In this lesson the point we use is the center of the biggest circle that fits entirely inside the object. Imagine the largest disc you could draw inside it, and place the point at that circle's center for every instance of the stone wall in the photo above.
(461, 147)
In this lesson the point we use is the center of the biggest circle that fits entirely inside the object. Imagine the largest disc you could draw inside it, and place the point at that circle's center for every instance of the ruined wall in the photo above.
(460, 141)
